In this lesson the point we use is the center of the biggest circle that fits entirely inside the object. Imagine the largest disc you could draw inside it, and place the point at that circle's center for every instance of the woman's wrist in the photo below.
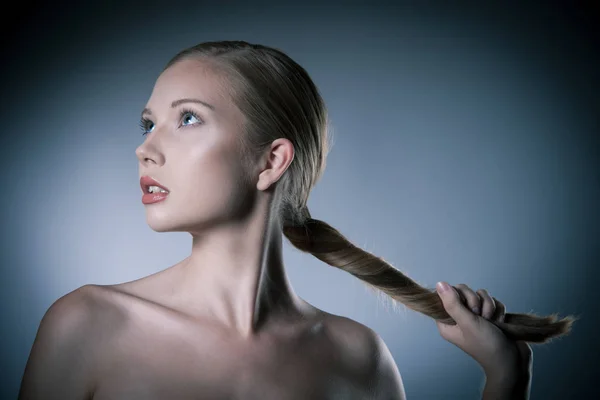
(509, 384)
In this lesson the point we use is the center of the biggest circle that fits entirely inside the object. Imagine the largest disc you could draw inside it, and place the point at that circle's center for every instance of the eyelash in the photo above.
(183, 113)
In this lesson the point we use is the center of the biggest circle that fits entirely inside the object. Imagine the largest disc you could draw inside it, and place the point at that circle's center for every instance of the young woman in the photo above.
(236, 137)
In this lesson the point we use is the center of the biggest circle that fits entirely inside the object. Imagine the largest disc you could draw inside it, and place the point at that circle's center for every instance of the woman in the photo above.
(235, 139)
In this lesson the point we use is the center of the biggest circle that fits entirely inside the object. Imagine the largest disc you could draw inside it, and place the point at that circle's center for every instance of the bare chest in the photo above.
(161, 359)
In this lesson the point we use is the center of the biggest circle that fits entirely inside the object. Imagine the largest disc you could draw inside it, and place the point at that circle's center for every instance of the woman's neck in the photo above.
(235, 276)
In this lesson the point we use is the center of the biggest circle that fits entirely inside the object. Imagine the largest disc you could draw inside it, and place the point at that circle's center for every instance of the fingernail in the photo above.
(475, 310)
(442, 287)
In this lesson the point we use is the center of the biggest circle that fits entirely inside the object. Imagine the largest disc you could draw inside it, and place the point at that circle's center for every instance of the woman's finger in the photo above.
(456, 309)
(472, 298)
(488, 306)
(500, 311)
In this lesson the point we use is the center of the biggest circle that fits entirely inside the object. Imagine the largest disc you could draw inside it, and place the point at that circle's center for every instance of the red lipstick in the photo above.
(147, 197)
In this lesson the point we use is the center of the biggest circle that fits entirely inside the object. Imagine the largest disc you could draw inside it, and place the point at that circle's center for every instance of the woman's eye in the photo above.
(189, 119)
(147, 126)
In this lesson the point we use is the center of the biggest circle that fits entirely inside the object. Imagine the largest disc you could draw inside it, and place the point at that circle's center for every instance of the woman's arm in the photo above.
(363, 362)
(507, 386)
(506, 363)
(59, 363)
(512, 381)
(374, 374)
(388, 384)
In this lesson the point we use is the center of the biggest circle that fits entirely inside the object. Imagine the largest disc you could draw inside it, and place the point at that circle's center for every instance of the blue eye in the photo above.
(146, 125)
(188, 117)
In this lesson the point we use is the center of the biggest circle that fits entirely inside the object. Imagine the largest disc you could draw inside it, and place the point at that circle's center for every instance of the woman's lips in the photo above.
(149, 198)
(146, 181)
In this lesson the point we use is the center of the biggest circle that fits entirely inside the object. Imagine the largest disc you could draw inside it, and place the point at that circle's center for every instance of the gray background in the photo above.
(465, 149)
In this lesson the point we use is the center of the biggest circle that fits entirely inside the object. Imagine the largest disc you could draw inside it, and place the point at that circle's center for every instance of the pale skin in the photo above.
(224, 323)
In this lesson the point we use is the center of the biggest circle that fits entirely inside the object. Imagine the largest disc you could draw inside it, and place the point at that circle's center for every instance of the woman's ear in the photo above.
(276, 161)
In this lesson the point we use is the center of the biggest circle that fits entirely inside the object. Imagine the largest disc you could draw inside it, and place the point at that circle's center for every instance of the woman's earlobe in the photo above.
(264, 181)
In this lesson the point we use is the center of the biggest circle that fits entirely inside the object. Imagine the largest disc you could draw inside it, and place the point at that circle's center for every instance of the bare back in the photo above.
(149, 351)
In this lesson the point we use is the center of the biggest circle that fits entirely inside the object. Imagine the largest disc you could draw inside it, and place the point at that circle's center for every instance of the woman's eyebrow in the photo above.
(181, 101)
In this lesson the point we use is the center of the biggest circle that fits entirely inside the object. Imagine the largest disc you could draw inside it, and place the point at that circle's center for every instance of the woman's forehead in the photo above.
(191, 79)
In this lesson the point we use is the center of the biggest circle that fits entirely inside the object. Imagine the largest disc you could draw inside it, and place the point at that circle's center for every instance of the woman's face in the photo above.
(191, 148)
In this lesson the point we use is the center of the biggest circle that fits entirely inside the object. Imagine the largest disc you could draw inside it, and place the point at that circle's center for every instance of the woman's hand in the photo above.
(482, 340)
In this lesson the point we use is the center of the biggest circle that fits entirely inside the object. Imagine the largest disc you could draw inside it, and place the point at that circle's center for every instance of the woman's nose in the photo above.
(146, 153)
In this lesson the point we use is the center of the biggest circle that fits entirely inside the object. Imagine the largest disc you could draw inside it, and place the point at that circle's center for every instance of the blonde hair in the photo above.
(279, 99)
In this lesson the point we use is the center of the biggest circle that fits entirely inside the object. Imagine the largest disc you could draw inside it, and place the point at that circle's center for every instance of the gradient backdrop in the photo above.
(466, 149)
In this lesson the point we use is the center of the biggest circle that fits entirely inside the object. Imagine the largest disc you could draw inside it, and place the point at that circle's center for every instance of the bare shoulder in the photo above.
(68, 340)
(71, 317)
(84, 310)
(78, 306)
(366, 358)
